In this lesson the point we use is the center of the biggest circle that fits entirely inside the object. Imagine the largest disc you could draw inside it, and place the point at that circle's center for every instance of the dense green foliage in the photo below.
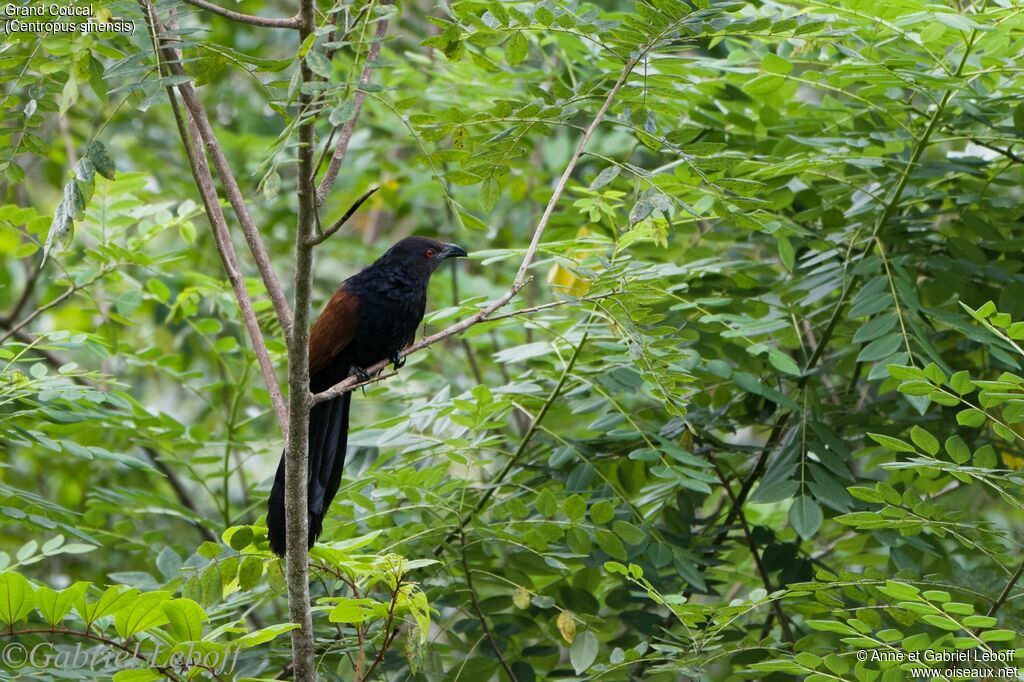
(772, 418)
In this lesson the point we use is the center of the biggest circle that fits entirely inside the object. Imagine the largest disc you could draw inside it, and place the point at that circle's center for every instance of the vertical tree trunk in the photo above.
(297, 453)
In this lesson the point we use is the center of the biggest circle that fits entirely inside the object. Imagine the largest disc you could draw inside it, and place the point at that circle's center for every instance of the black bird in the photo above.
(371, 317)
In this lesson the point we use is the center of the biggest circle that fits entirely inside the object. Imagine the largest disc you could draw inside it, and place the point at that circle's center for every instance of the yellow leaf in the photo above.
(567, 626)
(521, 598)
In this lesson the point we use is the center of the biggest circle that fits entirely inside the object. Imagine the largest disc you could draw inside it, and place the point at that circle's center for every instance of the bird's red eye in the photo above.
(429, 253)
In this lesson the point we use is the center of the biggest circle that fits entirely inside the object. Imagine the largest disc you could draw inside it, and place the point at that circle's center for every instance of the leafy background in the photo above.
(771, 417)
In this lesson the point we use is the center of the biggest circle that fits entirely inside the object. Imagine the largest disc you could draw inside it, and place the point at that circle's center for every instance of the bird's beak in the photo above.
(452, 251)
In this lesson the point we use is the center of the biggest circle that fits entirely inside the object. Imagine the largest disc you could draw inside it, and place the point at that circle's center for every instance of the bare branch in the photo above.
(349, 126)
(521, 279)
(340, 222)
(226, 249)
(207, 191)
(266, 22)
(172, 60)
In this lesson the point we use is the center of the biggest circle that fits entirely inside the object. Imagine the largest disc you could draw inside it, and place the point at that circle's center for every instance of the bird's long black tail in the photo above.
(328, 439)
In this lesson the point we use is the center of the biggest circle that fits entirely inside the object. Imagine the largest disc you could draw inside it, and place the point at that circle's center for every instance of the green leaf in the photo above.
(772, 63)
(785, 251)
(142, 613)
(319, 64)
(209, 550)
(516, 48)
(890, 443)
(54, 605)
(924, 440)
(783, 362)
(880, 348)
(546, 503)
(342, 113)
(263, 635)
(490, 193)
(985, 457)
(17, 597)
(115, 598)
(575, 508)
(249, 572)
(602, 512)
(96, 152)
(185, 618)
(241, 538)
(604, 177)
(630, 534)
(805, 516)
(583, 651)
(610, 544)
(971, 417)
(957, 449)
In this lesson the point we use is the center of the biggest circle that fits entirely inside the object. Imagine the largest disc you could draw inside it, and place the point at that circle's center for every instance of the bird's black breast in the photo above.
(391, 307)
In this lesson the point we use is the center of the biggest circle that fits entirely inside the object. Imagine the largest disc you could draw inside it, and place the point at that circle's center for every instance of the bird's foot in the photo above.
(360, 373)
(397, 360)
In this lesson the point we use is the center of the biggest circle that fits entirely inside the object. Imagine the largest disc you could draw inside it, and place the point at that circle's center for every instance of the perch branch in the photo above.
(521, 279)
(266, 22)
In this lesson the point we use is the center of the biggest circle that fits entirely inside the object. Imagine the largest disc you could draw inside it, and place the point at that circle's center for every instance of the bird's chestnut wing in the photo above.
(333, 330)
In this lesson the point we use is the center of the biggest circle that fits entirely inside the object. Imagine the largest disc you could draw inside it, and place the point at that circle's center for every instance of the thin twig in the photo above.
(1008, 153)
(179, 491)
(326, 234)
(1005, 594)
(349, 126)
(756, 554)
(514, 459)
(26, 293)
(266, 22)
(166, 670)
(14, 328)
(480, 612)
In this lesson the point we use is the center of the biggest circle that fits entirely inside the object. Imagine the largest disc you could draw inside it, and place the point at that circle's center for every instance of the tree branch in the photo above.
(266, 22)
(340, 222)
(480, 612)
(164, 669)
(1005, 594)
(1008, 153)
(172, 60)
(521, 279)
(203, 178)
(179, 491)
(296, 455)
(349, 126)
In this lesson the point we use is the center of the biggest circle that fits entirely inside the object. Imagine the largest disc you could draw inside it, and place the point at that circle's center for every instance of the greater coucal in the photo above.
(371, 317)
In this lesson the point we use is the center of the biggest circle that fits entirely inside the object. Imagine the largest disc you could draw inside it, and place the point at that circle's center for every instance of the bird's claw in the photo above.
(397, 360)
(360, 373)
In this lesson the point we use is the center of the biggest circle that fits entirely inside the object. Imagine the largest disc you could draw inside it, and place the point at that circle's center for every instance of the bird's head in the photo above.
(423, 254)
